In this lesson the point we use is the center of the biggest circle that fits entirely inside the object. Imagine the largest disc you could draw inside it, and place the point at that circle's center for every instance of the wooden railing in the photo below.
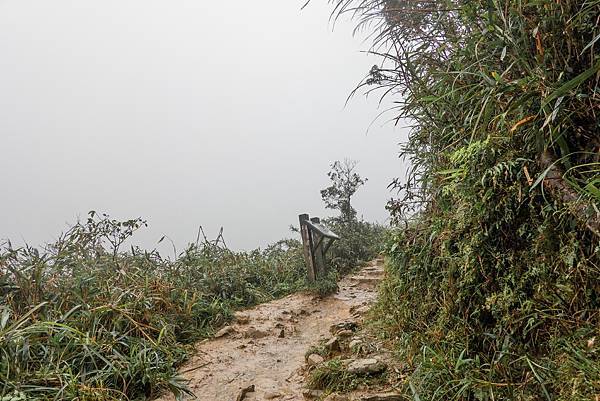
(316, 240)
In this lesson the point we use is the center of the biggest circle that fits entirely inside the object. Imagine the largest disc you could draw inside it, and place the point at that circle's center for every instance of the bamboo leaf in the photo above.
(572, 84)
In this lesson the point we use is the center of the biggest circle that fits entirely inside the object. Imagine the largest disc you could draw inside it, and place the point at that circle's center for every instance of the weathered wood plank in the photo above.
(307, 247)
(318, 252)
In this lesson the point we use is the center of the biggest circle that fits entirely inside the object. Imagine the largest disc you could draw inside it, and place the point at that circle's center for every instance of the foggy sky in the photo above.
(183, 112)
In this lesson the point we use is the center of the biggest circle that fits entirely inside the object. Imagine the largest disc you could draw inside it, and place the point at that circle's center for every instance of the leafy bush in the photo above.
(360, 242)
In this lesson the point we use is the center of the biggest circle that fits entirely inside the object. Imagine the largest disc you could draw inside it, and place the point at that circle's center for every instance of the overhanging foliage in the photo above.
(493, 286)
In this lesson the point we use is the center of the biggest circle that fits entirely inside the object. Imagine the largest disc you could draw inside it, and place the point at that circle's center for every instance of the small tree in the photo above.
(345, 183)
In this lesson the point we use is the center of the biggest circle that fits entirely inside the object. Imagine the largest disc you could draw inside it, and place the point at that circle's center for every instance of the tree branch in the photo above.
(561, 191)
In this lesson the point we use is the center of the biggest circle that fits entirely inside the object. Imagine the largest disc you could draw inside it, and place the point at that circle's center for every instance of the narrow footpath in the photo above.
(264, 348)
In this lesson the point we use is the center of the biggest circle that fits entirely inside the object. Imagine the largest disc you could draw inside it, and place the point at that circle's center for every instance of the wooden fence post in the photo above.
(318, 251)
(307, 247)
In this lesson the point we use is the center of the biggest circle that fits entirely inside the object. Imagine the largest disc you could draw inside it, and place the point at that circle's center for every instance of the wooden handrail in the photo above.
(316, 240)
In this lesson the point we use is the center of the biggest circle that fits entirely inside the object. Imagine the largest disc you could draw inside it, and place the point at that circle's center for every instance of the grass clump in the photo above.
(319, 349)
(333, 376)
(82, 319)
(324, 286)
(492, 284)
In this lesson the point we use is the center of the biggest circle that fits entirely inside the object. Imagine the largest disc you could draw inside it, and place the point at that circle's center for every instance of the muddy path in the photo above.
(265, 346)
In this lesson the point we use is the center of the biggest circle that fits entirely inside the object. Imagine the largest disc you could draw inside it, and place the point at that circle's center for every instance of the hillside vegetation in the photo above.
(85, 318)
(492, 290)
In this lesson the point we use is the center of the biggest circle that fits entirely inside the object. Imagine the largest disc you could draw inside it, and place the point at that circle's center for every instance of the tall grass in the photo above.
(492, 291)
(83, 319)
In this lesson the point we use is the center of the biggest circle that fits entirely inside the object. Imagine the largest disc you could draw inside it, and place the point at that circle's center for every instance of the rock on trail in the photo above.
(264, 349)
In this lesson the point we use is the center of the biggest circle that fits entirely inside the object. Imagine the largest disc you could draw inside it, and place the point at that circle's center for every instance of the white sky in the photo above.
(184, 112)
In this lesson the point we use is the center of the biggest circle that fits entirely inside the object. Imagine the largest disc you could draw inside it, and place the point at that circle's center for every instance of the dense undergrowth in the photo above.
(84, 319)
(360, 242)
(492, 291)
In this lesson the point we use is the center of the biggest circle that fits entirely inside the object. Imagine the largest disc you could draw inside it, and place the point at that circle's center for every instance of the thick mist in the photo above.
(185, 113)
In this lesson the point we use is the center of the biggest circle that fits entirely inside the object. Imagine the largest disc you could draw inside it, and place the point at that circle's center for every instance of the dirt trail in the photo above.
(267, 344)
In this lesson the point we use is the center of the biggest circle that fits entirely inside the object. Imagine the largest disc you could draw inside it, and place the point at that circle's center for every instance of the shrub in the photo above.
(360, 242)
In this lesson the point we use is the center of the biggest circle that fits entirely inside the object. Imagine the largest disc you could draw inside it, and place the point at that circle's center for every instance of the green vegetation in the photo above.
(492, 291)
(361, 241)
(345, 181)
(85, 319)
(333, 376)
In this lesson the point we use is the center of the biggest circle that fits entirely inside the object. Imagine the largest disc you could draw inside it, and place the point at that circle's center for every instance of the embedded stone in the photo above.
(255, 333)
(333, 344)
(345, 333)
(383, 397)
(366, 366)
(347, 325)
(243, 392)
(315, 359)
(224, 331)
(312, 394)
(240, 318)
(336, 397)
